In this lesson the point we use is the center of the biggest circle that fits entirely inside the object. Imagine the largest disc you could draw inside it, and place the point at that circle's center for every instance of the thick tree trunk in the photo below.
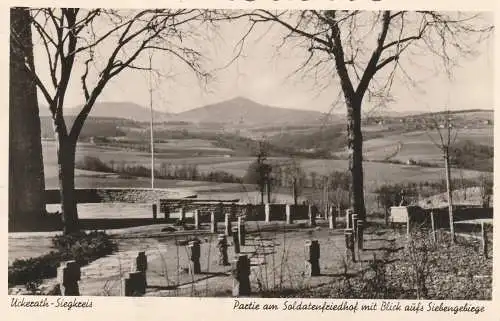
(66, 163)
(355, 149)
(26, 174)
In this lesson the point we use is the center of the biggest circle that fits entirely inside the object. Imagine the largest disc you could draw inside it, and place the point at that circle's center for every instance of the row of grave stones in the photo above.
(135, 284)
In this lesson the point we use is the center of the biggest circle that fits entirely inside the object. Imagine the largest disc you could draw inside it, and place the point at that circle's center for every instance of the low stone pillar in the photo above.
(348, 218)
(288, 214)
(141, 264)
(241, 231)
(196, 215)
(155, 211)
(227, 224)
(68, 275)
(194, 254)
(312, 252)
(267, 212)
(133, 284)
(349, 244)
(213, 223)
(312, 216)
(222, 245)
(359, 234)
(241, 276)
(236, 241)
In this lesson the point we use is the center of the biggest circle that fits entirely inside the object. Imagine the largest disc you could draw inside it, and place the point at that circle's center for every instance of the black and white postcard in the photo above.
(333, 159)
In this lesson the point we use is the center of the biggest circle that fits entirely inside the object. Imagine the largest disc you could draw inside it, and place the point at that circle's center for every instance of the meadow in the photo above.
(419, 145)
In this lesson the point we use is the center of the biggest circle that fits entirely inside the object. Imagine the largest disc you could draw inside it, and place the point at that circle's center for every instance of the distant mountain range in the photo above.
(126, 110)
(235, 111)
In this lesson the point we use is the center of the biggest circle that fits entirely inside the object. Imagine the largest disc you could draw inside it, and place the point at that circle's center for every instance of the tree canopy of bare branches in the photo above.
(365, 50)
(94, 46)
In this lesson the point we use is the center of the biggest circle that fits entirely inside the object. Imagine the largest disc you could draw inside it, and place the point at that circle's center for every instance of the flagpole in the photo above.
(151, 123)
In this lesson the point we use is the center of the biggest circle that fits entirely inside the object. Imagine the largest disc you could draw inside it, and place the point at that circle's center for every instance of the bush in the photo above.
(23, 271)
(81, 247)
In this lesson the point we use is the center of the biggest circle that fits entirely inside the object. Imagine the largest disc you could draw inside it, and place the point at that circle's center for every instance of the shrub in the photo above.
(84, 247)
(23, 271)
(81, 247)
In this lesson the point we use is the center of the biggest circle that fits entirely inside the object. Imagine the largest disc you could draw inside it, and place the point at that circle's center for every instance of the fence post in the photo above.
(312, 250)
(484, 241)
(213, 223)
(241, 275)
(408, 223)
(68, 275)
(222, 247)
(433, 226)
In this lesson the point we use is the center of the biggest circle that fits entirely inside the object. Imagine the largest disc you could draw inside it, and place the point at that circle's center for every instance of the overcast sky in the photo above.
(262, 74)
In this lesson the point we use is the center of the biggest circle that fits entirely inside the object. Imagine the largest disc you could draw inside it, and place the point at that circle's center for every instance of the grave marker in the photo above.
(312, 250)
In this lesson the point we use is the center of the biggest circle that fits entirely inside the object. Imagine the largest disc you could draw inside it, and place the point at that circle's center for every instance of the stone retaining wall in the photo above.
(117, 195)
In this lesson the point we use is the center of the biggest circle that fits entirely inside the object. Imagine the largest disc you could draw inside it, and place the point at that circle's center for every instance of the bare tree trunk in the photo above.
(355, 148)
(448, 191)
(66, 163)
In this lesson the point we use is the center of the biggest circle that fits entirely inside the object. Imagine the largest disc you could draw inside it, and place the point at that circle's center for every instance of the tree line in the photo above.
(165, 171)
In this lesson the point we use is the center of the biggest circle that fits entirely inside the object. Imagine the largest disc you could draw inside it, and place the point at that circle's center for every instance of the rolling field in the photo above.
(375, 173)
(418, 145)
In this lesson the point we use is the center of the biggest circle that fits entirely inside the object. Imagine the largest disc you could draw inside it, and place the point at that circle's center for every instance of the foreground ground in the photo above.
(277, 256)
